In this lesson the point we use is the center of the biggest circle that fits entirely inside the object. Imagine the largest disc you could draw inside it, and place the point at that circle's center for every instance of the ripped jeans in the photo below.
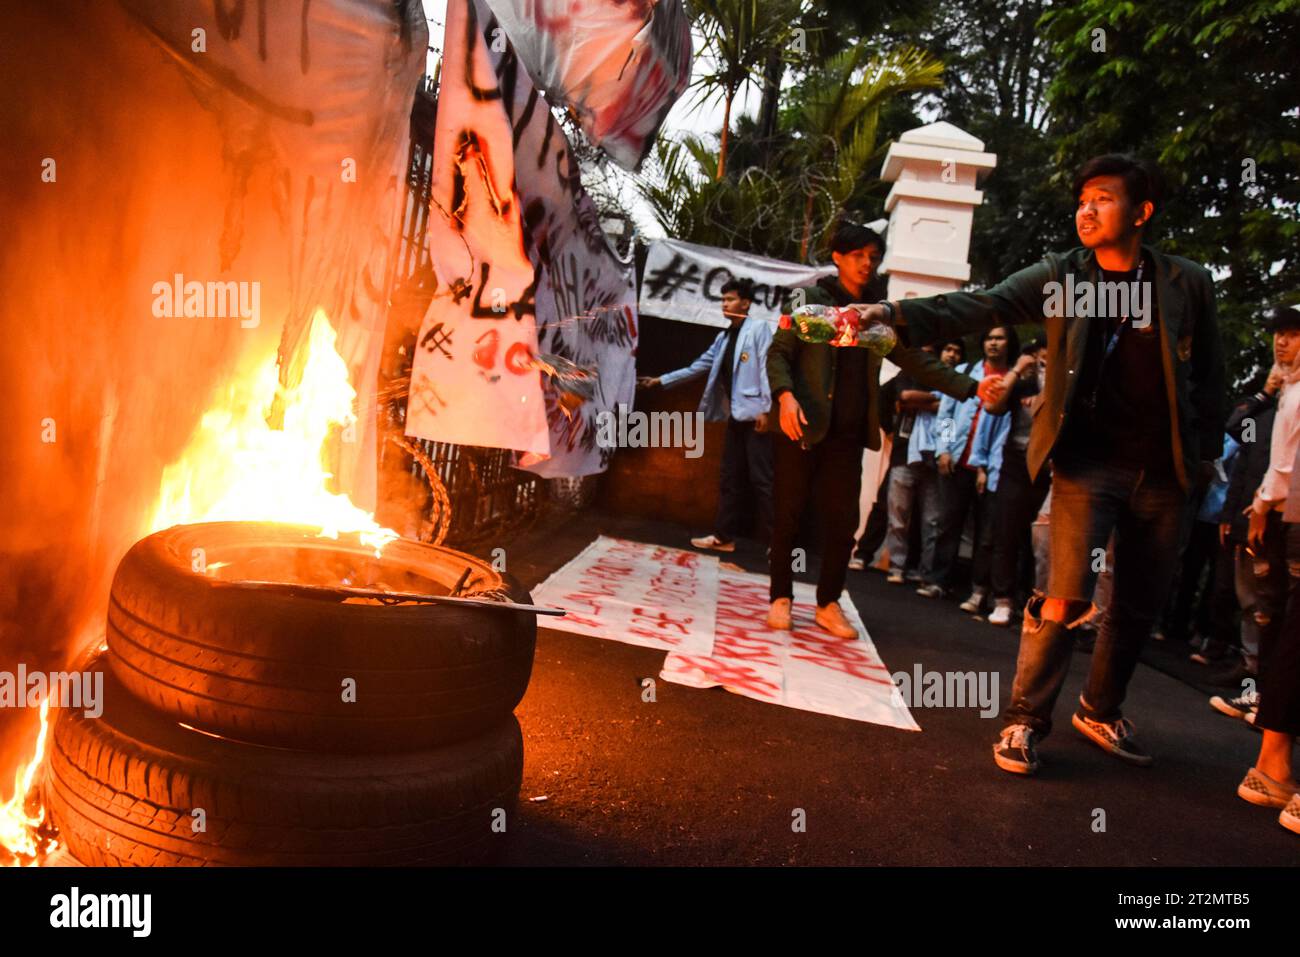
(1277, 613)
(1090, 500)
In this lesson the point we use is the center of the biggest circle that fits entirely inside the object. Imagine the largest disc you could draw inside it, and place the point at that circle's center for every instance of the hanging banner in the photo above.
(585, 298)
(683, 281)
(474, 378)
(619, 66)
(316, 97)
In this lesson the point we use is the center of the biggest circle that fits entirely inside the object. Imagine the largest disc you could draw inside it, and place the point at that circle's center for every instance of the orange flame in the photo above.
(20, 832)
(238, 468)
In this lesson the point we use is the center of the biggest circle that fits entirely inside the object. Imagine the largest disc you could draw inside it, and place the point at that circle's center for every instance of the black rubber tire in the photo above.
(123, 788)
(269, 667)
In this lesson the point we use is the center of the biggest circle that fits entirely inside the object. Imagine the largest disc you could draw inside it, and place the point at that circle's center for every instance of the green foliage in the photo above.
(1210, 91)
(826, 147)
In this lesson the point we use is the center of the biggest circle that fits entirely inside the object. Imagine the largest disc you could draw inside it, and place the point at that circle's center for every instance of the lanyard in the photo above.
(1112, 342)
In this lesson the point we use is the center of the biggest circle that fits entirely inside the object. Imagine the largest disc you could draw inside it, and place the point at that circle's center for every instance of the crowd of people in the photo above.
(1105, 487)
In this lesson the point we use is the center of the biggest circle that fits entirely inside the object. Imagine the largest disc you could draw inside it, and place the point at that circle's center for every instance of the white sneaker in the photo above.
(857, 565)
(974, 603)
(895, 578)
(714, 543)
(1001, 613)
(930, 591)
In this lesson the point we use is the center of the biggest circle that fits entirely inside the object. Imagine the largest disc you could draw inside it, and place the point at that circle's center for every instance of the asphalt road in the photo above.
(709, 777)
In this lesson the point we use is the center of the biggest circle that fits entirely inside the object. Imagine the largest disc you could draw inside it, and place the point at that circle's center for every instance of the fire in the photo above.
(25, 835)
(238, 468)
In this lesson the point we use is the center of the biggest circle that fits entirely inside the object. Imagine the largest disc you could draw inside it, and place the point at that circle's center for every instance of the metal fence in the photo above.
(483, 500)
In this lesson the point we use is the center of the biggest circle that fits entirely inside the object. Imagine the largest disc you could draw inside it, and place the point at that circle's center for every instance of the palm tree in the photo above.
(828, 149)
(740, 37)
(837, 112)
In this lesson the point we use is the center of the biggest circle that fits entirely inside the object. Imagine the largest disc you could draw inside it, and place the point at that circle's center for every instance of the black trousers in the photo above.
(1187, 609)
(829, 473)
(957, 496)
(746, 491)
(873, 536)
(1015, 505)
(1277, 611)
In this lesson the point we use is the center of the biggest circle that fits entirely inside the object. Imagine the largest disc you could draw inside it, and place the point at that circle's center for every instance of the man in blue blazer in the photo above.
(737, 393)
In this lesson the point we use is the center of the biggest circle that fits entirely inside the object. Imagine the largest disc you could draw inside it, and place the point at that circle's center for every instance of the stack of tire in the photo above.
(229, 736)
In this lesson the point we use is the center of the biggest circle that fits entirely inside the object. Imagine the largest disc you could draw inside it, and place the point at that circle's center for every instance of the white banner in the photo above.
(683, 281)
(668, 598)
(620, 66)
(637, 594)
(474, 378)
(585, 297)
(317, 97)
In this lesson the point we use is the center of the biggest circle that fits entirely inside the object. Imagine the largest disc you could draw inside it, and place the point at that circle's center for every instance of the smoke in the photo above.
(124, 166)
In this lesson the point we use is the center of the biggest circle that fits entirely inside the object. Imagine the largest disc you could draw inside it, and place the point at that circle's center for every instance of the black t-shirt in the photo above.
(849, 401)
(852, 385)
(1120, 411)
(729, 357)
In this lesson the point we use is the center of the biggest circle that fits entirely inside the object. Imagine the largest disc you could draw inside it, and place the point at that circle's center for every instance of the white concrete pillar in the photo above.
(935, 170)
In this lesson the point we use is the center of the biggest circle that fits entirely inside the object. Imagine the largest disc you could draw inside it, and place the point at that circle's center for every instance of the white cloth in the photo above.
(1282, 452)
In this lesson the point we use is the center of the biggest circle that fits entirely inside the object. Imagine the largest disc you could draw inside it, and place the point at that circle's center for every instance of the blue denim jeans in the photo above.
(1090, 500)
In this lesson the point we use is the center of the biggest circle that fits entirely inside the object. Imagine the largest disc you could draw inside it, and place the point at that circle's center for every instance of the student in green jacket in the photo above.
(826, 400)
(1131, 420)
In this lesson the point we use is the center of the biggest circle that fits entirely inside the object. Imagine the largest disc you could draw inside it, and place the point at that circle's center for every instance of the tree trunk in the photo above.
(726, 135)
(807, 227)
(773, 72)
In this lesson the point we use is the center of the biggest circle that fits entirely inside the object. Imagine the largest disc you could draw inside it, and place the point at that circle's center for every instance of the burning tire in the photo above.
(135, 788)
(188, 637)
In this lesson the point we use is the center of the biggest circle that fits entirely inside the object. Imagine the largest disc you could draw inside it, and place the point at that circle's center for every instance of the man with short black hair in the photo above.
(829, 409)
(1131, 417)
(736, 393)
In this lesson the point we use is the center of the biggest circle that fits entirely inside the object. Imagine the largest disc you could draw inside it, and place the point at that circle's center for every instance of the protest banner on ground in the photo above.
(638, 594)
(668, 598)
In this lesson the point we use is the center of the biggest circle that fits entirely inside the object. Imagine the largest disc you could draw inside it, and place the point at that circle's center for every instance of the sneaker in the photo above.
(778, 616)
(856, 564)
(895, 578)
(1016, 751)
(831, 618)
(1259, 789)
(1001, 614)
(1115, 737)
(1238, 707)
(975, 603)
(1290, 816)
(914, 577)
(714, 543)
(930, 591)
